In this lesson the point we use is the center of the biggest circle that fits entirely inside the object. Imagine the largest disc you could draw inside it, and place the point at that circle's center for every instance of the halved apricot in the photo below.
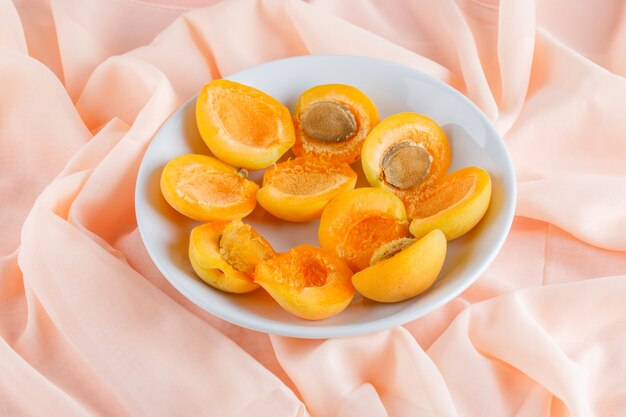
(402, 269)
(308, 282)
(331, 122)
(455, 206)
(356, 222)
(224, 254)
(206, 189)
(243, 126)
(407, 154)
(298, 190)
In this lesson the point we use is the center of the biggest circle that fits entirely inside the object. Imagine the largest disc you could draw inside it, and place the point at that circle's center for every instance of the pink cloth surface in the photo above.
(88, 326)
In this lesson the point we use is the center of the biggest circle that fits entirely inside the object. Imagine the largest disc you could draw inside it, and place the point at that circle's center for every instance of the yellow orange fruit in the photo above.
(406, 273)
(308, 282)
(243, 126)
(357, 222)
(455, 206)
(206, 189)
(224, 255)
(332, 121)
(298, 190)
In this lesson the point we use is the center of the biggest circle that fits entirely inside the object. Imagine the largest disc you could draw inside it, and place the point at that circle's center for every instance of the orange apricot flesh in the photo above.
(331, 122)
(224, 255)
(307, 282)
(206, 189)
(457, 204)
(407, 154)
(356, 222)
(243, 126)
(404, 274)
(298, 190)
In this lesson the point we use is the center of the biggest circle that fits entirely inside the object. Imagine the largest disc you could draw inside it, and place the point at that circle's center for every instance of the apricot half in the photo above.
(455, 206)
(206, 189)
(308, 282)
(331, 122)
(243, 126)
(225, 254)
(407, 154)
(402, 269)
(356, 222)
(298, 190)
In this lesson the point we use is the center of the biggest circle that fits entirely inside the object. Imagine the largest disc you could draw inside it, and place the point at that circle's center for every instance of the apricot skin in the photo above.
(281, 277)
(346, 222)
(204, 254)
(406, 274)
(462, 216)
(256, 118)
(302, 207)
(243, 195)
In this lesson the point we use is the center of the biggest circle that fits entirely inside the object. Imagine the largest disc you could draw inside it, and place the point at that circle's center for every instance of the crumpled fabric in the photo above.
(89, 327)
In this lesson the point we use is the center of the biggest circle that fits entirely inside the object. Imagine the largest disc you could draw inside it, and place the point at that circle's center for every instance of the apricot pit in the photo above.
(389, 249)
(328, 121)
(406, 164)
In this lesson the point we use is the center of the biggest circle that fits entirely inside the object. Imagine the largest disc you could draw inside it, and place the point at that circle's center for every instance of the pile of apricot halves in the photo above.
(387, 241)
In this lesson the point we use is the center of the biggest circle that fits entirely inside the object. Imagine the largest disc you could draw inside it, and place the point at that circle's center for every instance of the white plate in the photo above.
(393, 88)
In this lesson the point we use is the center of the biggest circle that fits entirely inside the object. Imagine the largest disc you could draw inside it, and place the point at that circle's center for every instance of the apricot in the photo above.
(206, 189)
(455, 206)
(308, 282)
(407, 154)
(224, 255)
(356, 222)
(331, 122)
(243, 126)
(298, 190)
(402, 269)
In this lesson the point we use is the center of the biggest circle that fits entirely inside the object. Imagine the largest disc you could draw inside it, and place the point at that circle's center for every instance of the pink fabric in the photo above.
(89, 327)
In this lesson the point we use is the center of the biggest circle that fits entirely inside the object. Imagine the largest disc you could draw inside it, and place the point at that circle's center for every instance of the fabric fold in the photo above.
(89, 327)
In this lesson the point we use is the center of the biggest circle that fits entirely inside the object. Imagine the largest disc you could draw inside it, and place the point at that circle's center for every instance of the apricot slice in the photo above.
(356, 222)
(298, 190)
(455, 206)
(206, 189)
(402, 269)
(331, 122)
(308, 282)
(224, 255)
(407, 154)
(243, 126)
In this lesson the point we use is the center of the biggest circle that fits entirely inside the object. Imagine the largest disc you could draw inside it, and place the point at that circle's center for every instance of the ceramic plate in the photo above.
(393, 88)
